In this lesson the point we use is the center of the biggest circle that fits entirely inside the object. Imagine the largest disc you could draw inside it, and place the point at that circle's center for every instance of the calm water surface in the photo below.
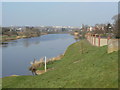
(17, 55)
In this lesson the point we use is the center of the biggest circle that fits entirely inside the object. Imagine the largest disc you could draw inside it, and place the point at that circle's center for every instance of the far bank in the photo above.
(5, 38)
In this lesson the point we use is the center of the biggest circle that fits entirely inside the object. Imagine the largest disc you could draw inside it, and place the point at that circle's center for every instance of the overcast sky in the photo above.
(57, 13)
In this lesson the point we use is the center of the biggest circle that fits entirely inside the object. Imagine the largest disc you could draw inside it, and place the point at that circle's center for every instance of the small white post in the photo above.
(45, 63)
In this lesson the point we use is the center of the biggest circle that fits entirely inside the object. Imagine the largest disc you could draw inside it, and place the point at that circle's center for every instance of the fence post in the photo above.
(108, 39)
(99, 41)
(45, 63)
(89, 37)
(92, 39)
(95, 40)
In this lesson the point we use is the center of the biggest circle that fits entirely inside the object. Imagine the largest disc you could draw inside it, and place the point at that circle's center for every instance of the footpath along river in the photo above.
(17, 54)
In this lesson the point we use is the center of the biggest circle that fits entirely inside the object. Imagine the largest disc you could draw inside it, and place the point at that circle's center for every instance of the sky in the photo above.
(57, 13)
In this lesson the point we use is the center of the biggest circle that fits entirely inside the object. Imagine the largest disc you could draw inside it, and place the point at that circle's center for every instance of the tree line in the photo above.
(27, 31)
(108, 29)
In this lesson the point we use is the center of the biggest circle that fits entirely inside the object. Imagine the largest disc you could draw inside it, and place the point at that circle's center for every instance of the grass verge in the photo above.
(83, 66)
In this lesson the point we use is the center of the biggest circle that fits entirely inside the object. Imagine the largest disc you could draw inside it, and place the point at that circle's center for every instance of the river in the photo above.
(17, 54)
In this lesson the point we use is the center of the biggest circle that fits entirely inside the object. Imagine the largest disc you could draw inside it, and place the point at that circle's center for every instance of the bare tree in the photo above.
(116, 29)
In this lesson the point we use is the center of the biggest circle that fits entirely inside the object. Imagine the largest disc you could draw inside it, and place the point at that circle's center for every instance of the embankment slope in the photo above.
(83, 66)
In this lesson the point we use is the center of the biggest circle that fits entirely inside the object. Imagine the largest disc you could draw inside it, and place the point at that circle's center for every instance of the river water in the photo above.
(17, 55)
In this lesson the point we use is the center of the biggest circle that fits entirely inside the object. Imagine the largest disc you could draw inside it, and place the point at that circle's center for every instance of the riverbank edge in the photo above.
(57, 58)
(9, 39)
(40, 64)
(39, 72)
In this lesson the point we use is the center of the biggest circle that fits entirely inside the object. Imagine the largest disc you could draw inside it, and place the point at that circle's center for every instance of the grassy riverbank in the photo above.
(83, 66)
(6, 38)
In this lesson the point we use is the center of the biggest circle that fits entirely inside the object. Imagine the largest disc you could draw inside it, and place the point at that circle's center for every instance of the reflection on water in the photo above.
(18, 54)
(26, 42)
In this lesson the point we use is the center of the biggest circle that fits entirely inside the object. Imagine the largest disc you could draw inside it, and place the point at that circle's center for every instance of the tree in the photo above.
(116, 29)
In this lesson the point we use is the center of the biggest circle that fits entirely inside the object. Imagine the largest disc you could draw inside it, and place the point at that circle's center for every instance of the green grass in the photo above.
(95, 68)
(50, 65)
(13, 36)
(7, 38)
